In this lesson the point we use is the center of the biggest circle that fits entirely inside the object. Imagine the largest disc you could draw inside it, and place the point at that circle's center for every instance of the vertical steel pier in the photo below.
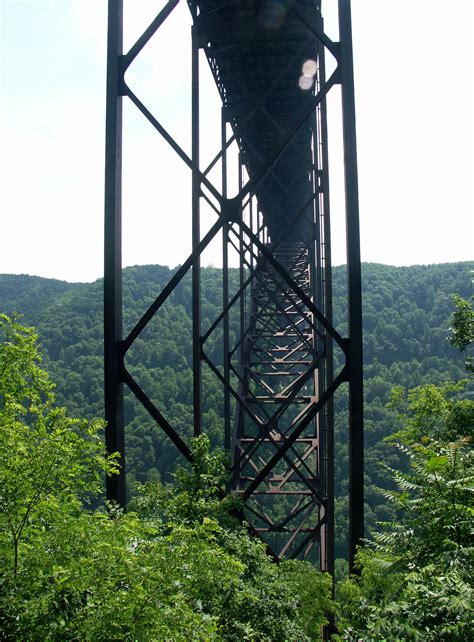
(269, 62)
(114, 435)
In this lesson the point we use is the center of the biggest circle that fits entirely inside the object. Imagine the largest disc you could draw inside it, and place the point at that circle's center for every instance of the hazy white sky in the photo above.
(414, 73)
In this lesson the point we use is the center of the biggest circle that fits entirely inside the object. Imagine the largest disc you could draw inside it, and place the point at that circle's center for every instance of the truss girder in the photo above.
(256, 52)
(277, 376)
(280, 371)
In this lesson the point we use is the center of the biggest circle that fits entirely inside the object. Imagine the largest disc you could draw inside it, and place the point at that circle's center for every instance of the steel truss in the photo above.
(277, 378)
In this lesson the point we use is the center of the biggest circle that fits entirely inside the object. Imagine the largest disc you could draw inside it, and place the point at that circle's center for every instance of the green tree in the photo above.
(46, 458)
(260, 600)
(416, 573)
(177, 566)
(462, 330)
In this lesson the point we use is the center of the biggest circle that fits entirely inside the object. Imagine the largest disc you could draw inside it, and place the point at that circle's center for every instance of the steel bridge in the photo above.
(269, 60)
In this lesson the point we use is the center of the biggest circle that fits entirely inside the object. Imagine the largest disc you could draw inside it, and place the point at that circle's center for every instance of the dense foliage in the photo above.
(417, 573)
(178, 566)
(407, 313)
(463, 328)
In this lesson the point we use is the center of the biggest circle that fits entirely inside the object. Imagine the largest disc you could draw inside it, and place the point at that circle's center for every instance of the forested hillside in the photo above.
(407, 313)
(177, 566)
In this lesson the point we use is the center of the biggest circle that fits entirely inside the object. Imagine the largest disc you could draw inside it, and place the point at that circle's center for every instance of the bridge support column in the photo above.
(114, 432)
(276, 368)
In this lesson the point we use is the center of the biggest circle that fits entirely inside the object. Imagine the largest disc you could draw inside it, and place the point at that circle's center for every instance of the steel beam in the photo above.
(278, 375)
(196, 236)
(114, 431)
(354, 289)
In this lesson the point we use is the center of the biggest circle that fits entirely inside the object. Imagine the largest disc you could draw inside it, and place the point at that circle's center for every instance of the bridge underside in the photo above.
(268, 59)
(282, 369)
(257, 52)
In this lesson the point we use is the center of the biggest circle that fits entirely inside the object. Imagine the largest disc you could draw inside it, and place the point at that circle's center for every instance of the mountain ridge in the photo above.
(406, 316)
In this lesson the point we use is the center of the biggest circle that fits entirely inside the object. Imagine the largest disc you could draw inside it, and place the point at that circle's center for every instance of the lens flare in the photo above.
(305, 82)
(309, 68)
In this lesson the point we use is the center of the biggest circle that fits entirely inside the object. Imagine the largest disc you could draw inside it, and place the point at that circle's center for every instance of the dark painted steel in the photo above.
(225, 292)
(149, 33)
(241, 250)
(196, 238)
(356, 434)
(156, 415)
(113, 393)
(278, 373)
(297, 532)
(327, 283)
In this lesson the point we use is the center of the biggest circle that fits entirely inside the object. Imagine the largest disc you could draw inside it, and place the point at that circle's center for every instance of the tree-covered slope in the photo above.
(29, 294)
(177, 566)
(407, 314)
